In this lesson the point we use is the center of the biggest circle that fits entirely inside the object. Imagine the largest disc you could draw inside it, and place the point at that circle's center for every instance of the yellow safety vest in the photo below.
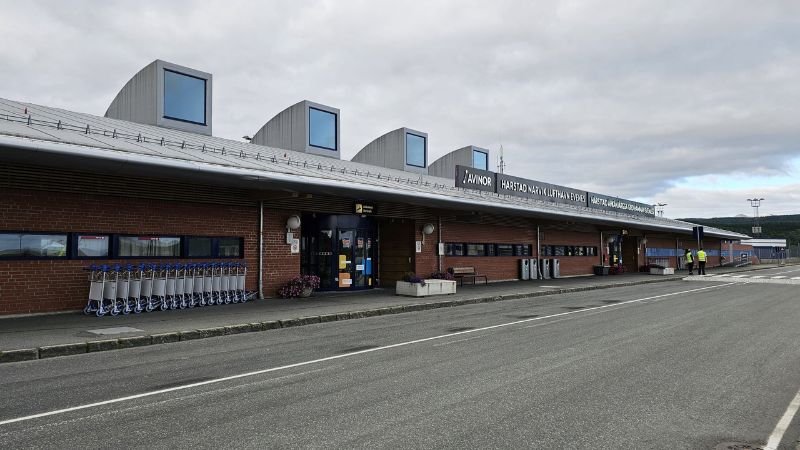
(701, 256)
(688, 257)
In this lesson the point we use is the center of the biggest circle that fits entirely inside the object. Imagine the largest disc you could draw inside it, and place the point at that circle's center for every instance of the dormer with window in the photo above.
(166, 95)
(306, 127)
(401, 149)
(470, 156)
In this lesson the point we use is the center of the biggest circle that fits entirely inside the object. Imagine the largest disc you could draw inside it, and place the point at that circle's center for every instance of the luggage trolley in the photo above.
(135, 287)
(158, 297)
(241, 274)
(97, 280)
(123, 288)
(110, 290)
(148, 279)
(208, 284)
(200, 283)
(171, 274)
(216, 283)
(227, 292)
(180, 285)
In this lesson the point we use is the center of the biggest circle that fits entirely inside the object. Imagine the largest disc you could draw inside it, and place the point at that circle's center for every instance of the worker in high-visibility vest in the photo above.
(689, 261)
(701, 261)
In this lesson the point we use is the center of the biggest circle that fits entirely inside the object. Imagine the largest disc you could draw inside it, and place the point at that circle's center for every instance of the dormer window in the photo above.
(415, 150)
(480, 160)
(184, 97)
(321, 129)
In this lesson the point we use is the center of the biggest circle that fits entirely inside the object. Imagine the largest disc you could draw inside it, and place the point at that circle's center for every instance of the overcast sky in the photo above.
(693, 103)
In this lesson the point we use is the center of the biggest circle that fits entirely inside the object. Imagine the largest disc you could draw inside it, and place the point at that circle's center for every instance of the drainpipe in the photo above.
(440, 241)
(539, 273)
(261, 250)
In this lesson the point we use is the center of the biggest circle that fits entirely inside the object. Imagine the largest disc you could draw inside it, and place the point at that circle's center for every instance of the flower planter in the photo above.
(432, 287)
(307, 291)
(601, 270)
(662, 271)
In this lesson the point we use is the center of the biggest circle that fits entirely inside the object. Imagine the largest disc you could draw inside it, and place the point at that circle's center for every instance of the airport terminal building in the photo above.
(149, 182)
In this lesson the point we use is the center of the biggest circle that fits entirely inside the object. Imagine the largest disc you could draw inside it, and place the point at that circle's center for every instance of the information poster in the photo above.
(345, 280)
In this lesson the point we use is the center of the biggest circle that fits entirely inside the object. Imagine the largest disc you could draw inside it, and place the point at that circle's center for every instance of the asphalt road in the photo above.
(668, 365)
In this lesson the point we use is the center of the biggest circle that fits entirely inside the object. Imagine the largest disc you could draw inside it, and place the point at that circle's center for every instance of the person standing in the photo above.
(689, 261)
(701, 261)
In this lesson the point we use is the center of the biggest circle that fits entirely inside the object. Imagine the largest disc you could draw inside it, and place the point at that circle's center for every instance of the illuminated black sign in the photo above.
(521, 187)
(470, 178)
(619, 204)
(484, 180)
(364, 208)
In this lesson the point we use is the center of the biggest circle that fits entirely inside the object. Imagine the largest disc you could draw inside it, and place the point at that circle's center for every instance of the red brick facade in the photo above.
(499, 268)
(35, 286)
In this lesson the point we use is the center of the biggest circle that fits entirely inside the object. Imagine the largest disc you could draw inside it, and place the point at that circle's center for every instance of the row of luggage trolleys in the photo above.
(148, 287)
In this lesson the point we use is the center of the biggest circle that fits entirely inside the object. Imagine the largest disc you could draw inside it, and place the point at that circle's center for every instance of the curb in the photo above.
(17, 355)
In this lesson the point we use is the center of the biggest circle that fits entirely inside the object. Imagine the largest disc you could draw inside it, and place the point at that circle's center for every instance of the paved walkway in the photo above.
(31, 337)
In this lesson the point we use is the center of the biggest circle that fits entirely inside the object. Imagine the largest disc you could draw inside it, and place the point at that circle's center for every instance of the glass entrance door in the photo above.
(341, 250)
(355, 258)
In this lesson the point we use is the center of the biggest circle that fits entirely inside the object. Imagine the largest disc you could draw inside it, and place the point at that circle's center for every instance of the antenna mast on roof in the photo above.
(501, 165)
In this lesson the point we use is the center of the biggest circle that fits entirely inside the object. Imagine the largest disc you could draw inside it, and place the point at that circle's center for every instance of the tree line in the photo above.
(772, 227)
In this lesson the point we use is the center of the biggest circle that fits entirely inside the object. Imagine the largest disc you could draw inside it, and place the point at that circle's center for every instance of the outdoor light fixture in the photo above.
(426, 230)
(292, 223)
(755, 202)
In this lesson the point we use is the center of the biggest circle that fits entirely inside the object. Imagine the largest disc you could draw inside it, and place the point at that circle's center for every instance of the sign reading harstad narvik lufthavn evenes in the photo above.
(484, 180)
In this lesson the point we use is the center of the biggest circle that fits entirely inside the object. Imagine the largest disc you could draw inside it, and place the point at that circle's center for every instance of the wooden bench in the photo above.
(460, 273)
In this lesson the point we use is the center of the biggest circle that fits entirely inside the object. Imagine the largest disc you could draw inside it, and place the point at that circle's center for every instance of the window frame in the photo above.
(116, 254)
(67, 249)
(205, 99)
(424, 150)
(485, 154)
(467, 246)
(335, 130)
(215, 244)
(74, 241)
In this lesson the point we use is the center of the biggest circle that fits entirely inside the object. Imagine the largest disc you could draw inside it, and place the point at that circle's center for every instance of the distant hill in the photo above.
(772, 227)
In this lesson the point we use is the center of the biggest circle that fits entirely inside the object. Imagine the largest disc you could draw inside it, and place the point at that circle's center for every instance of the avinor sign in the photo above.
(484, 180)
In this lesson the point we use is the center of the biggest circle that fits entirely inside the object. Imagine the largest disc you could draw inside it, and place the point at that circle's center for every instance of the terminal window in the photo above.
(148, 246)
(480, 160)
(321, 129)
(184, 97)
(15, 245)
(415, 150)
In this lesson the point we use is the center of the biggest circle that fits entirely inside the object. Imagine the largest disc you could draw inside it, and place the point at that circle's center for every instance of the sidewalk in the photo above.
(44, 336)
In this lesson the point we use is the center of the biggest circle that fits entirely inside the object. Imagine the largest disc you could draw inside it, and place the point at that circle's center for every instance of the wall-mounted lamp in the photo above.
(426, 230)
(644, 241)
(292, 223)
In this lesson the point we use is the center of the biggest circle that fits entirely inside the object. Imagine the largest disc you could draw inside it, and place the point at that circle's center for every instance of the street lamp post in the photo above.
(755, 202)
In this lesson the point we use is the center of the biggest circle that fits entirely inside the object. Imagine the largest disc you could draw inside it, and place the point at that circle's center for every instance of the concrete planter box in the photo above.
(432, 287)
(664, 271)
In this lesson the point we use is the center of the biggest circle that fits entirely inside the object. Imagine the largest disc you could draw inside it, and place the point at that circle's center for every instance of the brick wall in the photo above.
(573, 265)
(427, 261)
(279, 263)
(56, 285)
(496, 268)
